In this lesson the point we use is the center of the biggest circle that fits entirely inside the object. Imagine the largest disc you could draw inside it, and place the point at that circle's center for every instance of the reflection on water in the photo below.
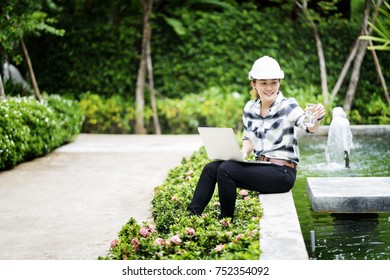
(344, 236)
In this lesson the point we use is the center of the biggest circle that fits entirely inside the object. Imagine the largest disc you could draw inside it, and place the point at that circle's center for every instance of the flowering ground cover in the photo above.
(174, 234)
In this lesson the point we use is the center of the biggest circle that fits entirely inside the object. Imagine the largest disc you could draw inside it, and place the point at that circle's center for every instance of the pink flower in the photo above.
(243, 192)
(135, 243)
(247, 198)
(217, 204)
(190, 231)
(219, 248)
(144, 231)
(225, 223)
(159, 241)
(174, 198)
(114, 243)
(176, 239)
(152, 229)
(239, 236)
(188, 178)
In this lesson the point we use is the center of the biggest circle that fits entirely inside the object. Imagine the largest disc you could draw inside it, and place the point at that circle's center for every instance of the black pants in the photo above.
(231, 175)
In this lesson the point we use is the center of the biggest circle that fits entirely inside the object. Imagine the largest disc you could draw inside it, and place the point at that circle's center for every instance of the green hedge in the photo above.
(29, 129)
(174, 234)
(106, 115)
(211, 107)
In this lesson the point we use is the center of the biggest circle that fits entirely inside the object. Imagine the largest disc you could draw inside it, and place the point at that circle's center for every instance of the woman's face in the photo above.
(267, 89)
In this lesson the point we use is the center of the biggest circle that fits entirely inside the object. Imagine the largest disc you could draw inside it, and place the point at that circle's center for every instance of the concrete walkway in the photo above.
(72, 203)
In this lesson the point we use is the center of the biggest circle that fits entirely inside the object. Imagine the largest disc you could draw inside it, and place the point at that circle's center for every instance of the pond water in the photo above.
(343, 236)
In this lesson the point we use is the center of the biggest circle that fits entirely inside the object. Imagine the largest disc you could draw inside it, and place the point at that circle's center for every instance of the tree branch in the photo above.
(30, 70)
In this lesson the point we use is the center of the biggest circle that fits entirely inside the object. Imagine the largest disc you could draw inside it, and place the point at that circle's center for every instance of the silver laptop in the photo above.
(221, 144)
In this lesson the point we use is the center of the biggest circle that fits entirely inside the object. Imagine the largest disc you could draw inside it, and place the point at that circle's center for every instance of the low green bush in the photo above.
(106, 115)
(14, 134)
(374, 111)
(174, 234)
(208, 108)
(29, 129)
(116, 114)
(68, 114)
(212, 107)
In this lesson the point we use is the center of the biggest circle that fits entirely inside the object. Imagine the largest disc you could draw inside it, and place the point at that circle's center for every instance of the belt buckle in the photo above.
(292, 165)
(264, 158)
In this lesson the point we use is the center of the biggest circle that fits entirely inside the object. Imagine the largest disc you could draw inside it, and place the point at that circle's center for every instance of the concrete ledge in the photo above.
(349, 194)
(280, 233)
(357, 130)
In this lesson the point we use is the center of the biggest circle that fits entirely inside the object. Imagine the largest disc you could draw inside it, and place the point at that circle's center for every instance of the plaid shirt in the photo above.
(273, 135)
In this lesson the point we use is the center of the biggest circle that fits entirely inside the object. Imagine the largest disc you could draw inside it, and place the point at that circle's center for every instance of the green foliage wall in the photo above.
(216, 50)
(220, 48)
(91, 56)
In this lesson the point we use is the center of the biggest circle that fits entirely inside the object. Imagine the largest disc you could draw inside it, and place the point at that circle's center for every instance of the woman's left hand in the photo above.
(319, 112)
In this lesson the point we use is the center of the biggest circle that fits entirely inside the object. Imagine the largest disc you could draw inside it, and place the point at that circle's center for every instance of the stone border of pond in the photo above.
(357, 130)
(280, 232)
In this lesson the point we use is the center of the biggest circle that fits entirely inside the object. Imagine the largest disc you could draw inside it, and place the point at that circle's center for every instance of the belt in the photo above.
(279, 162)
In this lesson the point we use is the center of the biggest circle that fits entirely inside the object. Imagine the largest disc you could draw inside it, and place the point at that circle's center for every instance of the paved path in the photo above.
(72, 203)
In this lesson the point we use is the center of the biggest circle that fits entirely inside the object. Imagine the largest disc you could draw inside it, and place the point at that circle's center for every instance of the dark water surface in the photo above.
(344, 236)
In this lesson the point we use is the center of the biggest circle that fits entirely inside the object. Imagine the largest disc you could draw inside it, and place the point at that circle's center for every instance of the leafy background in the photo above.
(99, 53)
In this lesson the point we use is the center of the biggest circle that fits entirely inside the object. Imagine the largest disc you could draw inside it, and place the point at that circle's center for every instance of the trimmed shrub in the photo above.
(106, 115)
(68, 114)
(29, 129)
(14, 134)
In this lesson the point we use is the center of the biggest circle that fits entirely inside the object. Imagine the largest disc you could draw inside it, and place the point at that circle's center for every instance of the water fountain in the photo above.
(344, 235)
(339, 138)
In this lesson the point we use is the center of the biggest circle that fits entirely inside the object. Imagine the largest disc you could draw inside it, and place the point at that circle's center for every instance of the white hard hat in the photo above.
(266, 68)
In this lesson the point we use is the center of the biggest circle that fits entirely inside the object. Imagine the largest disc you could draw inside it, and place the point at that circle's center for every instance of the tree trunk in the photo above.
(321, 58)
(2, 94)
(378, 66)
(380, 74)
(30, 70)
(151, 88)
(140, 90)
(350, 95)
(139, 99)
(320, 52)
(148, 4)
(344, 71)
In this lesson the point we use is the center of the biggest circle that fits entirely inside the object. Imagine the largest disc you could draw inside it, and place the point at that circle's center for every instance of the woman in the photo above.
(269, 122)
